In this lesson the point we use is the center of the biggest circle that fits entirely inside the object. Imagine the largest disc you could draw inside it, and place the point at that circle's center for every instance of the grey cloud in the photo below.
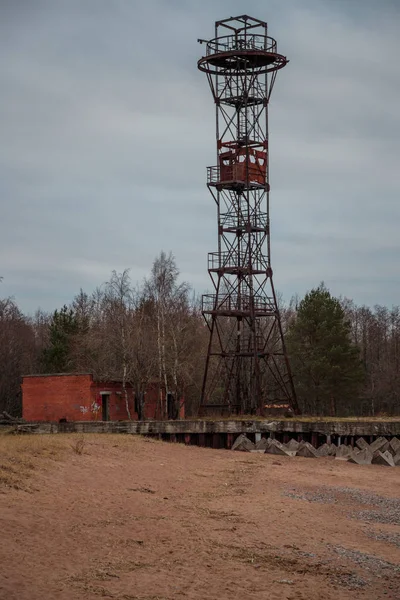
(108, 127)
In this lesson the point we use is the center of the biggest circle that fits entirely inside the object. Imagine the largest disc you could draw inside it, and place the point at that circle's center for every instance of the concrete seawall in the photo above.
(222, 433)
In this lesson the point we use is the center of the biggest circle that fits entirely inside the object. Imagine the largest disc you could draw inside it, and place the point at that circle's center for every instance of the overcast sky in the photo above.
(107, 128)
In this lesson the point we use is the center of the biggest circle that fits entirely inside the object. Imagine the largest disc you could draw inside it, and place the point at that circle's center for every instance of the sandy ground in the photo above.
(135, 519)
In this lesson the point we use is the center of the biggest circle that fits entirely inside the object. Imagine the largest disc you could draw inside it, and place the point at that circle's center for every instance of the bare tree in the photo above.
(17, 354)
(175, 321)
(119, 304)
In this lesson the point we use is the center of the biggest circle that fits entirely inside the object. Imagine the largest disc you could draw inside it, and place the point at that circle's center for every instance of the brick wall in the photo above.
(151, 402)
(74, 397)
(116, 401)
(55, 397)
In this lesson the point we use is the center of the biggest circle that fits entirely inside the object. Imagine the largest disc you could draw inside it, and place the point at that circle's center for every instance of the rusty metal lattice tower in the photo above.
(247, 366)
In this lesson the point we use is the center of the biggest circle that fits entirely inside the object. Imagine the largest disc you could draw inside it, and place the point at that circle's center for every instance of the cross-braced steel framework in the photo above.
(247, 366)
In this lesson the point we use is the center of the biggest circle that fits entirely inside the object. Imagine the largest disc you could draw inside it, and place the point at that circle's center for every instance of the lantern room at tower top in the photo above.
(247, 45)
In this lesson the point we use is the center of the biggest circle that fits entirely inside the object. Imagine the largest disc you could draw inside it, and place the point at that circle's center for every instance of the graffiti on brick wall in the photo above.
(94, 409)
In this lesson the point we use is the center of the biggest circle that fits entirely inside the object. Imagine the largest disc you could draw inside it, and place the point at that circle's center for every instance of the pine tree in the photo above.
(326, 364)
(56, 356)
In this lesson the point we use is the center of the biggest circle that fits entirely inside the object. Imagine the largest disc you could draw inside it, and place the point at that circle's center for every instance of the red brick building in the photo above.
(78, 397)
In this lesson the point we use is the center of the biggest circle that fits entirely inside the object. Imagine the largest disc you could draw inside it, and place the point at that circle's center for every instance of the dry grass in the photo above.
(22, 456)
(79, 445)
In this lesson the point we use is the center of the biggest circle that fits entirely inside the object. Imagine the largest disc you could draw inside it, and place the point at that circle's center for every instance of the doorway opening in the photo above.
(105, 406)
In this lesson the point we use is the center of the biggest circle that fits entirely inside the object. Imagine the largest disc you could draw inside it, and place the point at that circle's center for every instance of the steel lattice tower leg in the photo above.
(247, 365)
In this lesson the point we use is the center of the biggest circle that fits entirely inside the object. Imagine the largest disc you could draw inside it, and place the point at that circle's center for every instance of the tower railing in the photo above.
(238, 261)
(231, 220)
(236, 304)
(241, 42)
(236, 174)
(240, 93)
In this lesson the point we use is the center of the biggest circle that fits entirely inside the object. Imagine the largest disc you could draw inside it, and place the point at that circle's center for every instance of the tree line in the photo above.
(344, 357)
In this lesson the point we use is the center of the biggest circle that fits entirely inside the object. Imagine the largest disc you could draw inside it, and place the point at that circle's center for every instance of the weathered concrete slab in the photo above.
(307, 450)
(275, 447)
(292, 445)
(243, 444)
(324, 450)
(343, 452)
(378, 444)
(37, 428)
(361, 443)
(235, 426)
(394, 445)
(396, 459)
(361, 457)
(383, 458)
(333, 449)
(385, 447)
(262, 444)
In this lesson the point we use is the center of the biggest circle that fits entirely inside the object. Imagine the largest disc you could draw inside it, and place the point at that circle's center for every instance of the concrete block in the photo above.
(377, 444)
(396, 459)
(332, 449)
(324, 450)
(307, 451)
(262, 444)
(362, 457)
(243, 444)
(343, 452)
(394, 445)
(385, 447)
(276, 447)
(383, 458)
(293, 445)
(362, 444)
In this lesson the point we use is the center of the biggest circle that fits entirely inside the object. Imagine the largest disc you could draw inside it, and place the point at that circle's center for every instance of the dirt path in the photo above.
(133, 519)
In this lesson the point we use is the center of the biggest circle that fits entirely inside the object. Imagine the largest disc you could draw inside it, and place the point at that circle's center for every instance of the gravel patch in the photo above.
(389, 518)
(350, 580)
(385, 510)
(382, 536)
(322, 495)
(377, 566)
(388, 508)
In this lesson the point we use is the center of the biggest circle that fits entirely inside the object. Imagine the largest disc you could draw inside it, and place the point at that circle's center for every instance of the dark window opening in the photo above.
(172, 408)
